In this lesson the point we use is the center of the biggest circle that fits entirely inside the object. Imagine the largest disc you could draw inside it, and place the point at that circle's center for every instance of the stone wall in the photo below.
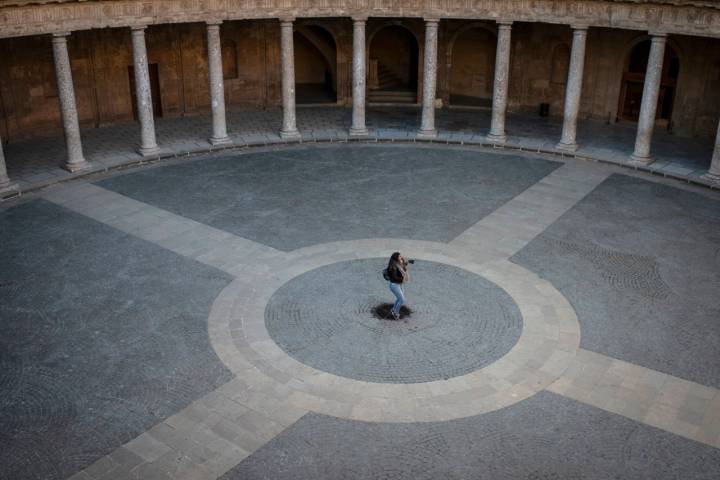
(101, 58)
(688, 17)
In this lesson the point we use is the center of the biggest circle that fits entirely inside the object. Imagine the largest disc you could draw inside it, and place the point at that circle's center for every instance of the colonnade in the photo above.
(148, 144)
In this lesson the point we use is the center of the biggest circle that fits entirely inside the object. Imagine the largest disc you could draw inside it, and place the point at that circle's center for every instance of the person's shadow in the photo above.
(382, 312)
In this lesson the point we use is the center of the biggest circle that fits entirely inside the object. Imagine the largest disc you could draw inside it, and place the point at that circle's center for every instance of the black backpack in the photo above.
(386, 275)
(392, 275)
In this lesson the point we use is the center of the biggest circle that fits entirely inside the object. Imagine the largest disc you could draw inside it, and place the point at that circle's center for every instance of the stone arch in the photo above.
(634, 63)
(394, 51)
(470, 60)
(315, 64)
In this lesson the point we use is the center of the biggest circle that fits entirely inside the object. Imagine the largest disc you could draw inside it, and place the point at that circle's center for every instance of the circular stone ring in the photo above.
(238, 331)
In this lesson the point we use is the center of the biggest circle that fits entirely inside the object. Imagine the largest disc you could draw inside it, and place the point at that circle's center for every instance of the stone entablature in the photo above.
(675, 17)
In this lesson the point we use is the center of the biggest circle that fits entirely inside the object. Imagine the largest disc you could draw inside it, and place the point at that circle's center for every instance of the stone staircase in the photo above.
(390, 88)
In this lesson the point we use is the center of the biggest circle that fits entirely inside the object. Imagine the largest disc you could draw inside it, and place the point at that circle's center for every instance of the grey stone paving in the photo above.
(102, 336)
(546, 437)
(36, 162)
(640, 263)
(460, 322)
(117, 350)
(292, 199)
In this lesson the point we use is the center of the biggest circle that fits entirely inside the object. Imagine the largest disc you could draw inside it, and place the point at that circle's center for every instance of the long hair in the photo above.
(394, 260)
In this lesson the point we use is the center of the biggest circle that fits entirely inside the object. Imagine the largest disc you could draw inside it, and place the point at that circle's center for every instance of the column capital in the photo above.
(504, 23)
(286, 20)
(658, 36)
(60, 36)
(359, 18)
(214, 23)
(432, 20)
(138, 28)
(579, 28)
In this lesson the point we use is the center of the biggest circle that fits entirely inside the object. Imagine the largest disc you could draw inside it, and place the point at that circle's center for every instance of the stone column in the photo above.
(217, 88)
(573, 89)
(148, 143)
(359, 76)
(68, 108)
(289, 128)
(6, 187)
(648, 107)
(500, 86)
(427, 124)
(714, 172)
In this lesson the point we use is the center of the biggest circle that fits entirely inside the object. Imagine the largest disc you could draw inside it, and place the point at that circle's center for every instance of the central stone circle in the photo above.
(460, 322)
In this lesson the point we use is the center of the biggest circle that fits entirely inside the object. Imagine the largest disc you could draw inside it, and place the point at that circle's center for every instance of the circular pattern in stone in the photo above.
(460, 322)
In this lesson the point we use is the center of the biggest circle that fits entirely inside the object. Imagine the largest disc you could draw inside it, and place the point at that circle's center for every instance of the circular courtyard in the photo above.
(209, 315)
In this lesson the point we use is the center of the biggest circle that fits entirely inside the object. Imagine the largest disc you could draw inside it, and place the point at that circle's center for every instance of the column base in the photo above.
(9, 190)
(76, 166)
(290, 135)
(713, 177)
(220, 141)
(426, 134)
(636, 160)
(494, 138)
(358, 132)
(149, 151)
(567, 147)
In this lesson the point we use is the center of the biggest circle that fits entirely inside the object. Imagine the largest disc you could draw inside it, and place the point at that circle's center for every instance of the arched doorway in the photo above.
(315, 65)
(634, 79)
(472, 68)
(393, 66)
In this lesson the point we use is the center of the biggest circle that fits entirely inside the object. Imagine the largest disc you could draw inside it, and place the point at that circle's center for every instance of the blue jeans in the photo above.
(396, 289)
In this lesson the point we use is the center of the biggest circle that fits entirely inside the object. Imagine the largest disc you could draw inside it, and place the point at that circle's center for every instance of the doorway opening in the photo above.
(393, 66)
(315, 65)
(633, 82)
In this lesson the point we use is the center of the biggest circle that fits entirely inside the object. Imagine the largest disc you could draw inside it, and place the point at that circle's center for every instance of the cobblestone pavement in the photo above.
(139, 336)
(323, 318)
(650, 255)
(102, 336)
(338, 193)
(34, 163)
(547, 437)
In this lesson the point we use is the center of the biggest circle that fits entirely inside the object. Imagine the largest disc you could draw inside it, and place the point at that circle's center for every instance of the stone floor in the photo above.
(35, 163)
(212, 317)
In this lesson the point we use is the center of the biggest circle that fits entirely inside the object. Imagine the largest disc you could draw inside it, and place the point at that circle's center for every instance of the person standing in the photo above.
(397, 275)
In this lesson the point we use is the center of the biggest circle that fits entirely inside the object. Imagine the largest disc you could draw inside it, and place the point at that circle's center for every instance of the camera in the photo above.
(410, 261)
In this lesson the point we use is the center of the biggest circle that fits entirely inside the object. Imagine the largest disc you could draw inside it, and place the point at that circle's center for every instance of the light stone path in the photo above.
(512, 226)
(181, 235)
(679, 406)
(272, 390)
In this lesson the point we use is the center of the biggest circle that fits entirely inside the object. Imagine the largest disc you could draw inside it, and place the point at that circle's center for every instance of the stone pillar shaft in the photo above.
(289, 128)
(714, 171)
(427, 124)
(648, 107)
(573, 89)
(68, 108)
(217, 87)
(148, 143)
(500, 86)
(359, 75)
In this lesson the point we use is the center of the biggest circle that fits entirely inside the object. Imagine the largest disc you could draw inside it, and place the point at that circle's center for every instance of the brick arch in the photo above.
(416, 35)
(450, 49)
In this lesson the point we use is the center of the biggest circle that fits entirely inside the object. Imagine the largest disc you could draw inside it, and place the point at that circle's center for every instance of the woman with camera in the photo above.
(397, 275)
